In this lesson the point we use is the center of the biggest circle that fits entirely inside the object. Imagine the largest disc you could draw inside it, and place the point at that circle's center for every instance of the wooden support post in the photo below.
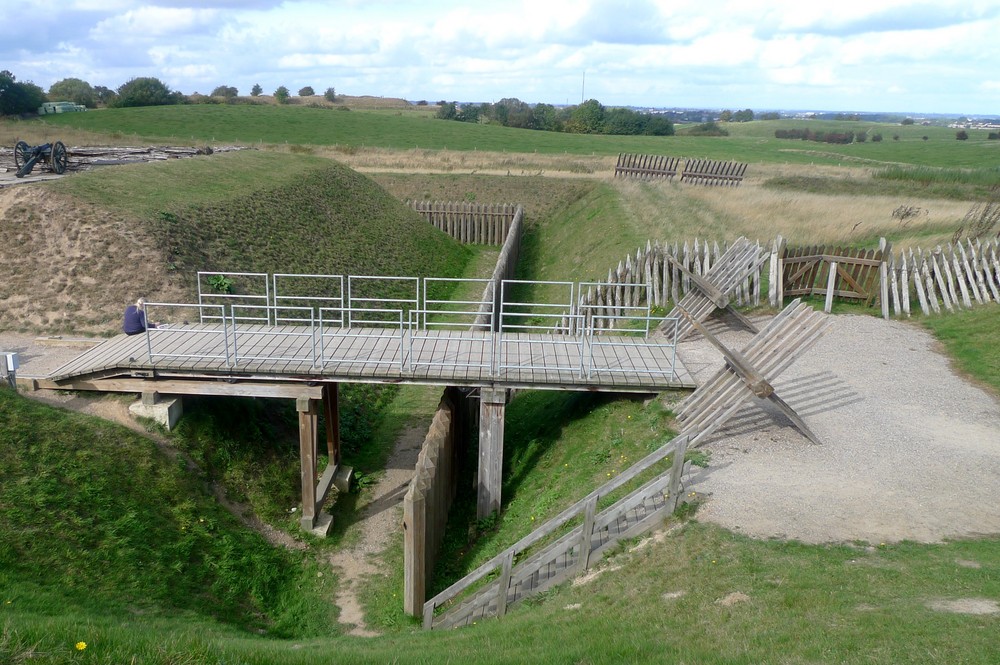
(831, 282)
(492, 407)
(331, 413)
(308, 426)
(415, 549)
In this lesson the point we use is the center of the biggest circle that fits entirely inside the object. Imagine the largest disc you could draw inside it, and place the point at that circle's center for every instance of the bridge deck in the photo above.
(612, 363)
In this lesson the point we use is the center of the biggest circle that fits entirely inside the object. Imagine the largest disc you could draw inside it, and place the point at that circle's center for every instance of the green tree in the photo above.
(587, 118)
(622, 121)
(105, 95)
(962, 135)
(726, 116)
(547, 118)
(145, 91)
(281, 94)
(226, 91)
(17, 97)
(447, 111)
(306, 91)
(746, 115)
(73, 90)
(256, 90)
(330, 95)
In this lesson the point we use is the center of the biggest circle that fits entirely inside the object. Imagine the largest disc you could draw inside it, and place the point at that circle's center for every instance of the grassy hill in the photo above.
(147, 229)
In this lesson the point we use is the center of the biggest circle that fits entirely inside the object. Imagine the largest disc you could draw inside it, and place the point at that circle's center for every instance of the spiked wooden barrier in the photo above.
(713, 290)
(747, 374)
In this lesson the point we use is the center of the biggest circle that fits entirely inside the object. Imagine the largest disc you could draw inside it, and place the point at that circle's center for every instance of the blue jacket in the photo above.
(135, 320)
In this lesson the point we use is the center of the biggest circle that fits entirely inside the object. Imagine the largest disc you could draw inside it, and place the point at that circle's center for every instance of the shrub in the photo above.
(306, 91)
(876, 138)
(145, 91)
(226, 91)
(330, 95)
(281, 94)
(962, 135)
(256, 90)
(18, 98)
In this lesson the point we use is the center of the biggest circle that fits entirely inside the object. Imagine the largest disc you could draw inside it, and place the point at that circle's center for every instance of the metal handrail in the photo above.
(169, 330)
(310, 332)
(377, 332)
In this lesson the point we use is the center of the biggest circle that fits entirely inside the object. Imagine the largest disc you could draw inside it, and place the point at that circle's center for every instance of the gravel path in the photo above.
(911, 451)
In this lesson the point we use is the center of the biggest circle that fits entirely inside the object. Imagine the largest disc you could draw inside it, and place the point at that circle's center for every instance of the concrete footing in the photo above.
(166, 411)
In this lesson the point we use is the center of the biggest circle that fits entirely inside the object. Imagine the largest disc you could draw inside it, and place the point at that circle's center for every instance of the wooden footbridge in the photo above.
(274, 342)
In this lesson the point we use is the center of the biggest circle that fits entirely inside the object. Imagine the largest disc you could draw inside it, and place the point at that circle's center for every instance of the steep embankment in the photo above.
(78, 250)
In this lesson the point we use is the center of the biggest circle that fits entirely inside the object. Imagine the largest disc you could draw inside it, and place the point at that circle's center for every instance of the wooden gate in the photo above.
(807, 272)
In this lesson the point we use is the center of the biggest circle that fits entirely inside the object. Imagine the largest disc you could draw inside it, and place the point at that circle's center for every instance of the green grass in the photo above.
(972, 338)
(96, 521)
(752, 142)
(265, 212)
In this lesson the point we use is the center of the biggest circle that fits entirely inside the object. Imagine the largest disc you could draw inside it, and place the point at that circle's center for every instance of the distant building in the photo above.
(49, 108)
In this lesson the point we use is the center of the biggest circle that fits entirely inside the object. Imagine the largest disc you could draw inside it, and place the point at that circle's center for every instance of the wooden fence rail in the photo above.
(712, 172)
(646, 167)
(570, 553)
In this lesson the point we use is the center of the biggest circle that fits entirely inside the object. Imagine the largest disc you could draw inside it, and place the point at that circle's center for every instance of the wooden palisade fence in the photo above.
(694, 171)
(469, 223)
(945, 278)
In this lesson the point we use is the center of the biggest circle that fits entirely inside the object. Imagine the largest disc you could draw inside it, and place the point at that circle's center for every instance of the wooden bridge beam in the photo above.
(308, 430)
(492, 408)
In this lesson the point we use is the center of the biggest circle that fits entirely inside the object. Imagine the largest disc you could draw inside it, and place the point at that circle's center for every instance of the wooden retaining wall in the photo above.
(428, 499)
(469, 223)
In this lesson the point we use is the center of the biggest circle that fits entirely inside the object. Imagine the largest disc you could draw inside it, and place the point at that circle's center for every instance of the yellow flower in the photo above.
(80, 646)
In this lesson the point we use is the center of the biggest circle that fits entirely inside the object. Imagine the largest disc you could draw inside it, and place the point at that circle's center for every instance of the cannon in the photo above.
(53, 155)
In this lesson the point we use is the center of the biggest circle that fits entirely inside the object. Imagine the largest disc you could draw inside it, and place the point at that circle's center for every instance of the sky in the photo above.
(911, 56)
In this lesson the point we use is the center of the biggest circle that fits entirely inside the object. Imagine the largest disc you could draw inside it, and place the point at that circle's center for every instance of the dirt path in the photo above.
(911, 451)
(379, 523)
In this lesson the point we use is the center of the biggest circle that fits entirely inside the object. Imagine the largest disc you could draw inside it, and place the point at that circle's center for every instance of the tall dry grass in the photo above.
(686, 211)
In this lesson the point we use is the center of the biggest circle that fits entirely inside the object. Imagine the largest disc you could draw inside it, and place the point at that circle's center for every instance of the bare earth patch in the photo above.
(966, 606)
(379, 523)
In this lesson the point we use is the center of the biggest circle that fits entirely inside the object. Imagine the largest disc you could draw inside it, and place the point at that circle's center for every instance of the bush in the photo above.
(145, 91)
(256, 90)
(17, 97)
(876, 138)
(73, 90)
(330, 95)
(226, 91)
(962, 135)
(993, 136)
(709, 129)
(306, 91)
(281, 94)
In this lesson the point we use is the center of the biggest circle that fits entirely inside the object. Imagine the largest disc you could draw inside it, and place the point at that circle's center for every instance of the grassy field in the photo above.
(352, 130)
(82, 502)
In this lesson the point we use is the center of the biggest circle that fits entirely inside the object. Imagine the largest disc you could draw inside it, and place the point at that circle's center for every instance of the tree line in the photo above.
(17, 97)
(590, 117)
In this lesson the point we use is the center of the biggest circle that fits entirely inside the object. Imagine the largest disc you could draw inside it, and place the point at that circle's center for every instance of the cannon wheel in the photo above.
(59, 159)
(21, 154)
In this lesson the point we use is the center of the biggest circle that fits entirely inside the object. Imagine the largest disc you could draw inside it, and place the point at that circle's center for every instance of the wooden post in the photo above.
(780, 285)
(883, 268)
(503, 584)
(831, 282)
(492, 407)
(331, 413)
(674, 489)
(414, 548)
(308, 426)
(586, 534)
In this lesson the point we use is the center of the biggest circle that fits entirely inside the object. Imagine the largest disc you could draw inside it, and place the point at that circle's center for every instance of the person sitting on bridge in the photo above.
(135, 318)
